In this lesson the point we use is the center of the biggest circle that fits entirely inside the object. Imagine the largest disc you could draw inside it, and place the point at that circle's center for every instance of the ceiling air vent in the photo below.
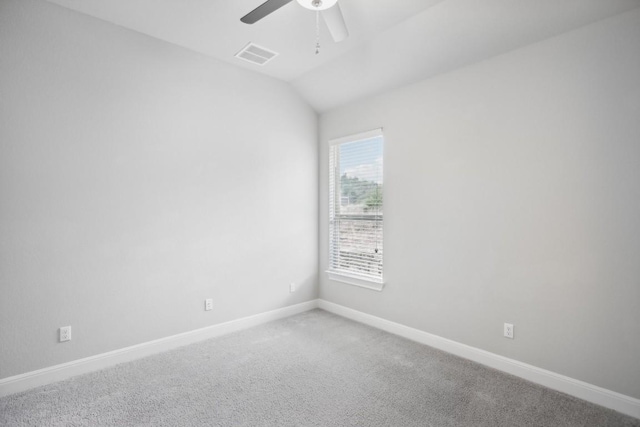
(256, 54)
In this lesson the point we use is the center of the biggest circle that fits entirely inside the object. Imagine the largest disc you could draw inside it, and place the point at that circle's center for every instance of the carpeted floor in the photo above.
(313, 369)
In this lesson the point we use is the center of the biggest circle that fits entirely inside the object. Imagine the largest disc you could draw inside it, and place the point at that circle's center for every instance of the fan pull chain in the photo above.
(317, 32)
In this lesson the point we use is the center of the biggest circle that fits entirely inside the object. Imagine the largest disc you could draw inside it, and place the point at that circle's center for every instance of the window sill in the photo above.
(356, 281)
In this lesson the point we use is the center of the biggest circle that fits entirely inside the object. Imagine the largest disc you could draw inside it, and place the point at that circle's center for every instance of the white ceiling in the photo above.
(213, 27)
(391, 42)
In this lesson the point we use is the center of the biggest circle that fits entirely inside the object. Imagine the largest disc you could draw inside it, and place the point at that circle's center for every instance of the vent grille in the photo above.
(256, 54)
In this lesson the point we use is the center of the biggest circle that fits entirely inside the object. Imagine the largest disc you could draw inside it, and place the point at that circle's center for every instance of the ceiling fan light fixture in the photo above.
(317, 4)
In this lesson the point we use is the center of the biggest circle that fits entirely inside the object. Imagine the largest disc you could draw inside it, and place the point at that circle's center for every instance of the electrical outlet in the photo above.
(292, 287)
(508, 330)
(65, 333)
(208, 304)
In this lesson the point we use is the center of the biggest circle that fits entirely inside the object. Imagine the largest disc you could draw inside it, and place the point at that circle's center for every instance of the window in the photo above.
(355, 209)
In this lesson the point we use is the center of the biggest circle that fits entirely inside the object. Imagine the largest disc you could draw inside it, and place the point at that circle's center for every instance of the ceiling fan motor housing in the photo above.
(317, 4)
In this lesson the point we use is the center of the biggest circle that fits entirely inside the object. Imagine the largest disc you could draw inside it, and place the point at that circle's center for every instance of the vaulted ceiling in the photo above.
(391, 42)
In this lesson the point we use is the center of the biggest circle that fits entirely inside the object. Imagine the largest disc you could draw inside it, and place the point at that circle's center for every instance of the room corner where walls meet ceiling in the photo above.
(391, 43)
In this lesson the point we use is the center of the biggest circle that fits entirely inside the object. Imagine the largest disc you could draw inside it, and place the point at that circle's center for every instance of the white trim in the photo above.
(63, 371)
(357, 137)
(356, 281)
(591, 393)
(610, 399)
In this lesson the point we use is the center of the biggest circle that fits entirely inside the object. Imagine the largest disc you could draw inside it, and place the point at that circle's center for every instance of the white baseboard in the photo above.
(591, 393)
(63, 371)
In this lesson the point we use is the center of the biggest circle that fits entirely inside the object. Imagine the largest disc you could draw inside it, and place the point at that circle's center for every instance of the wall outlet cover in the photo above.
(508, 330)
(65, 333)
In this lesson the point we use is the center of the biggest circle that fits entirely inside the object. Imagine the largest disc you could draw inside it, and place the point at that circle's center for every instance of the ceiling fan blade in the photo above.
(263, 10)
(335, 22)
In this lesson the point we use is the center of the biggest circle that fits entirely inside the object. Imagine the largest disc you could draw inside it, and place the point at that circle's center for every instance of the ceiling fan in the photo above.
(330, 10)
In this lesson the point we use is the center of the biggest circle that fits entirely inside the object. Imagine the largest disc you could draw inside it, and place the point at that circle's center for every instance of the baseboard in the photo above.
(63, 371)
(589, 392)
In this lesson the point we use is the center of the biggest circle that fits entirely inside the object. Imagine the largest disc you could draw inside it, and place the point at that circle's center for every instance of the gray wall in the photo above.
(512, 194)
(136, 180)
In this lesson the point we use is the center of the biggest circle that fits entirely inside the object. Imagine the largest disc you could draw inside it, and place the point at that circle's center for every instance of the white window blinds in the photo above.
(355, 206)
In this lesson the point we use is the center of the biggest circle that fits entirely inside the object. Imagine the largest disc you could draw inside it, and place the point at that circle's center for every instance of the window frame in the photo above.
(352, 278)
